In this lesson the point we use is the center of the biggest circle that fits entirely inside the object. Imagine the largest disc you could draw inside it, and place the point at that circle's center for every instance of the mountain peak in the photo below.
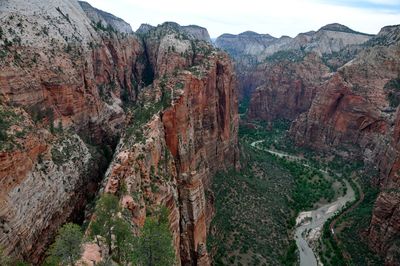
(340, 28)
(105, 18)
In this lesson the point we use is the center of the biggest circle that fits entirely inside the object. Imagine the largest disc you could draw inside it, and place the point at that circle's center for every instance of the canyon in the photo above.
(82, 96)
(89, 106)
(338, 88)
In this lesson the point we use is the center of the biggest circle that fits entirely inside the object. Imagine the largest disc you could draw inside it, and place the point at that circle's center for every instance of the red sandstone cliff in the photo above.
(287, 89)
(64, 80)
(181, 146)
(356, 112)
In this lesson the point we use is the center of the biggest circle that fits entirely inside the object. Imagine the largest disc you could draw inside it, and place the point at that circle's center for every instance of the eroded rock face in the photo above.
(104, 19)
(288, 88)
(184, 144)
(65, 75)
(356, 112)
(250, 49)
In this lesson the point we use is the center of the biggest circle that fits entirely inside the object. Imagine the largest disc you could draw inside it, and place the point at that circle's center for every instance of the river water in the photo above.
(309, 224)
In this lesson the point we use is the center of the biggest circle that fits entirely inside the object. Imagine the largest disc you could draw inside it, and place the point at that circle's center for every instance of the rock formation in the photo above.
(255, 53)
(105, 19)
(169, 159)
(340, 88)
(76, 83)
(356, 112)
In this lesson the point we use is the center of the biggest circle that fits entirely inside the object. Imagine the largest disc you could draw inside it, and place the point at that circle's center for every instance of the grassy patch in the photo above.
(252, 216)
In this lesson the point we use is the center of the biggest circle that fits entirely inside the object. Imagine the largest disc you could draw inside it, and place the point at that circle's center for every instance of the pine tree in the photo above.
(124, 240)
(67, 248)
(106, 211)
(155, 242)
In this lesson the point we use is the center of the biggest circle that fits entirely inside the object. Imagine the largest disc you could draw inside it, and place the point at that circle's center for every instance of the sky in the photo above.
(275, 17)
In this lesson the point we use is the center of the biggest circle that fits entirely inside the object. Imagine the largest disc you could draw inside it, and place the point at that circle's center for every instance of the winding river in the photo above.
(309, 224)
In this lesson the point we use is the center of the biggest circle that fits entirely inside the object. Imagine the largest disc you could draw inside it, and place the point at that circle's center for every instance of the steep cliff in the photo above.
(75, 83)
(255, 55)
(105, 19)
(356, 113)
(287, 89)
(67, 76)
(191, 132)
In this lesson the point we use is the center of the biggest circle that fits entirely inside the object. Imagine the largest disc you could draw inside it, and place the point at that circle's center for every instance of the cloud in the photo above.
(284, 17)
(389, 6)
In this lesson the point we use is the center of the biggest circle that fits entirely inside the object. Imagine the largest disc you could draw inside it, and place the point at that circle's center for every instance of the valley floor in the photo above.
(256, 207)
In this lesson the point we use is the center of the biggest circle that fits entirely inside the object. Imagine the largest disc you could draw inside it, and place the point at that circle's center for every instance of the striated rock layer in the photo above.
(76, 83)
(170, 159)
(66, 77)
(256, 55)
(288, 88)
(356, 113)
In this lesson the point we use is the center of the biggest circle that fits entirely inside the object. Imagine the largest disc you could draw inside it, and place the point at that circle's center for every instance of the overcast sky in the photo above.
(276, 17)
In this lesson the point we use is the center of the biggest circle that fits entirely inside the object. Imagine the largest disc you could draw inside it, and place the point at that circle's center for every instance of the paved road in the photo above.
(316, 218)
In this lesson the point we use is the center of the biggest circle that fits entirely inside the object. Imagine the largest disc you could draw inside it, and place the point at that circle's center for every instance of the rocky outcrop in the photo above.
(170, 159)
(256, 47)
(287, 89)
(335, 44)
(198, 32)
(104, 19)
(194, 31)
(67, 77)
(71, 76)
(144, 28)
(45, 179)
(356, 113)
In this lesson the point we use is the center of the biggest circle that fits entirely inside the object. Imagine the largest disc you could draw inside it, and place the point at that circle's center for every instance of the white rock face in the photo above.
(329, 39)
(197, 32)
(40, 23)
(59, 175)
(106, 19)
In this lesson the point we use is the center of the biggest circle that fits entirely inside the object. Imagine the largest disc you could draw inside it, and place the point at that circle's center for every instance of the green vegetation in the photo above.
(256, 206)
(393, 92)
(153, 246)
(64, 149)
(107, 223)
(348, 230)
(8, 261)
(143, 113)
(252, 217)
(244, 105)
(66, 249)
(9, 118)
(4, 259)
(289, 55)
(155, 242)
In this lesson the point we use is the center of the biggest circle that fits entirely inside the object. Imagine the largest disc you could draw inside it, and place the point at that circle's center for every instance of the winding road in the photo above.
(309, 224)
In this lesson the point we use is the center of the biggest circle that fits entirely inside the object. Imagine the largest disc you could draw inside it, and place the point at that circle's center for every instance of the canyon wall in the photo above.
(76, 83)
(356, 113)
(340, 89)
(170, 159)
(257, 56)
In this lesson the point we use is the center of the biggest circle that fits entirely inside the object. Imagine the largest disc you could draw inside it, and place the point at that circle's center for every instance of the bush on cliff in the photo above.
(155, 242)
(67, 248)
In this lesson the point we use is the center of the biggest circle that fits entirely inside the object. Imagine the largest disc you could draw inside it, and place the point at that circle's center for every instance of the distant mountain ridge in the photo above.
(252, 47)
(195, 31)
